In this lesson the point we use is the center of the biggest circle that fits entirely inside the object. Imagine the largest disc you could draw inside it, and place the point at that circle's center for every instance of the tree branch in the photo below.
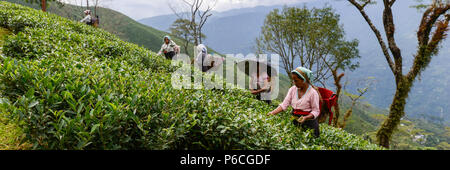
(389, 28)
(391, 3)
(366, 3)
(427, 47)
(377, 34)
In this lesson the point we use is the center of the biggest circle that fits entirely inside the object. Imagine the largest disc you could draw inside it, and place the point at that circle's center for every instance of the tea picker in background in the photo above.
(203, 59)
(88, 18)
(215, 61)
(169, 48)
(260, 79)
(305, 100)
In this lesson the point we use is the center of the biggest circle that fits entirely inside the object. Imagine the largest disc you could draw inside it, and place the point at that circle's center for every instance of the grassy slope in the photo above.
(114, 22)
(229, 106)
(129, 30)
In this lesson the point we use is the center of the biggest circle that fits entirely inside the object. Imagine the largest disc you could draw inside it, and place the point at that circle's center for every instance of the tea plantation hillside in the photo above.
(70, 86)
(129, 30)
(112, 21)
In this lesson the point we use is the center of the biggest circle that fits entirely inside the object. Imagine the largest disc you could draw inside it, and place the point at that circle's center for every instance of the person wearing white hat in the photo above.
(203, 59)
(88, 18)
(169, 48)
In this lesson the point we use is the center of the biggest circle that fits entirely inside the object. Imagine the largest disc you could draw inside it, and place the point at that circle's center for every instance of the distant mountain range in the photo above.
(235, 31)
(241, 26)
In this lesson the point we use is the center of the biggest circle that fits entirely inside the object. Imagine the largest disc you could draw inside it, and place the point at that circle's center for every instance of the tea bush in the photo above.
(75, 87)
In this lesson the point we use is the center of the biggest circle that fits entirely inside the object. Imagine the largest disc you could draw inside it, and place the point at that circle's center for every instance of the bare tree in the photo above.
(180, 29)
(198, 13)
(434, 18)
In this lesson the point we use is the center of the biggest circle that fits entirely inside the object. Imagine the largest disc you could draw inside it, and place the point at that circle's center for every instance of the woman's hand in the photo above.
(301, 119)
(305, 118)
(276, 111)
(254, 91)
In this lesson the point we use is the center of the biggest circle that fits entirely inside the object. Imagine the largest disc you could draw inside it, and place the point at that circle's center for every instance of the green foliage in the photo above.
(443, 146)
(3, 34)
(312, 37)
(70, 86)
(421, 5)
(344, 54)
(11, 136)
(59, 2)
(113, 22)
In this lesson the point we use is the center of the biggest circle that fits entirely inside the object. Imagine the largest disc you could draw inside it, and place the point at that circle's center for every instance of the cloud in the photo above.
(138, 9)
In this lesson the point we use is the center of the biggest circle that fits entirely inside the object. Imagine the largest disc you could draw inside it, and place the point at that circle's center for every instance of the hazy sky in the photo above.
(138, 9)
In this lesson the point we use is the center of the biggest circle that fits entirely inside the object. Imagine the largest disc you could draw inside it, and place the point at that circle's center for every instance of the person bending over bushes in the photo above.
(169, 48)
(87, 17)
(304, 99)
(260, 83)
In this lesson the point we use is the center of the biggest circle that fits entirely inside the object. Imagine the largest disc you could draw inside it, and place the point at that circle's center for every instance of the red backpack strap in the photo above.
(329, 99)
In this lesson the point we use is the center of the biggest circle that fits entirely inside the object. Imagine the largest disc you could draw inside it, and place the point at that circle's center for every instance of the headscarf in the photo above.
(304, 73)
(164, 39)
(202, 49)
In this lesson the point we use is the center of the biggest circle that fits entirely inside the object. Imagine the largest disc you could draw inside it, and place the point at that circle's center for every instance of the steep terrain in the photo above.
(71, 86)
(112, 21)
